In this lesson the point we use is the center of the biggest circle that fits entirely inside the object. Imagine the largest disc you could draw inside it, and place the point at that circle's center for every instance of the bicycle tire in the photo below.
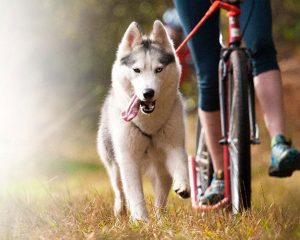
(239, 132)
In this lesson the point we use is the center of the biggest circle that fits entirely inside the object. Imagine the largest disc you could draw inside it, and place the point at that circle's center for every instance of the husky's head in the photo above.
(148, 65)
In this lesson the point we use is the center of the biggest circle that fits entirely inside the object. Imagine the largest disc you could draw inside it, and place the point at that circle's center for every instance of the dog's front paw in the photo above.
(182, 189)
(119, 208)
(138, 216)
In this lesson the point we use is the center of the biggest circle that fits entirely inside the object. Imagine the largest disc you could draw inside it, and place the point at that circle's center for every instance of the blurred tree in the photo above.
(286, 19)
(85, 36)
(74, 46)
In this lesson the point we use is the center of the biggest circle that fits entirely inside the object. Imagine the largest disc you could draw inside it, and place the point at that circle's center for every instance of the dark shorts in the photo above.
(205, 47)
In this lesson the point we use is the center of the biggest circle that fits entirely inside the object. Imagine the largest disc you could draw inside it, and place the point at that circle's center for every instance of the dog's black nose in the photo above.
(148, 93)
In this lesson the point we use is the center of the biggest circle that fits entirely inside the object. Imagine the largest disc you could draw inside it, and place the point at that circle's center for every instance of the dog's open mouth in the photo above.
(147, 107)
(135, 104)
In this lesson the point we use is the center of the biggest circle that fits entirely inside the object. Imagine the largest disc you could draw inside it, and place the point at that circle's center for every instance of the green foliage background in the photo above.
(286, 18)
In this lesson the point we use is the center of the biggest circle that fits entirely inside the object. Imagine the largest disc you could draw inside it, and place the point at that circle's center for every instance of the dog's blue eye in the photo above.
(158, 70)
(137, 70)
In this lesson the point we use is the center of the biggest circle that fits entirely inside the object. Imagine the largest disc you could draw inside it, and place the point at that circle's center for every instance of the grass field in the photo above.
(69, 198)
(77, 204)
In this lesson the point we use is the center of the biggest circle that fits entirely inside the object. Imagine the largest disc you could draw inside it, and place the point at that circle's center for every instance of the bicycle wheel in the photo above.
(204, 166)
(239, 132)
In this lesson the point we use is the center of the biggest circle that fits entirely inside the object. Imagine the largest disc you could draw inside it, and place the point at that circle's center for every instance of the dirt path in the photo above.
(291, 82)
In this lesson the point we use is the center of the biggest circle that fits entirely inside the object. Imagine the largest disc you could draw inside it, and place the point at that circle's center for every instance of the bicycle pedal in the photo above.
(255, 141)
(223, 141)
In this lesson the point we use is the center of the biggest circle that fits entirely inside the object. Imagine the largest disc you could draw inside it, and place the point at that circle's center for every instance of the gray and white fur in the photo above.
(153, 141)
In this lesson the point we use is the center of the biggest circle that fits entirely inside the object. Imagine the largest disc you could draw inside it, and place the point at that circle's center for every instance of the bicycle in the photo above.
(238, 121)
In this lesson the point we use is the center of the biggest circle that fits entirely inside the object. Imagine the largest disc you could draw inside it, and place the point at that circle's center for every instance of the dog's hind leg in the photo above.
(161, 182)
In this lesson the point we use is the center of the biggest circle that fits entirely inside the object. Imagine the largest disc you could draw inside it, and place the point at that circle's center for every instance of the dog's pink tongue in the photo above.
(132, 109)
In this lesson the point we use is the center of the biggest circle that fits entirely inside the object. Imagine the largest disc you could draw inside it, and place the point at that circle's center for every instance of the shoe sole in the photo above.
(275, 172)
(286, 167)
(212, 200)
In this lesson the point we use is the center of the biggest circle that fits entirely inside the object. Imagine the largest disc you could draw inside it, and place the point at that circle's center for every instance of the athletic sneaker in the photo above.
(215, 192)
(285, 159)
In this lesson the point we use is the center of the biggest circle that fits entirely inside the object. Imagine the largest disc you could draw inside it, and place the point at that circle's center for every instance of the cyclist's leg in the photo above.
(210, 122)
(204, 47)
(267, 79)
(205, 50)
(268, 88)
(268, 85)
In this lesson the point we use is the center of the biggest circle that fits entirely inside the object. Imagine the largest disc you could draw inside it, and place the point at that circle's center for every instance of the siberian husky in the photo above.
(141, 127)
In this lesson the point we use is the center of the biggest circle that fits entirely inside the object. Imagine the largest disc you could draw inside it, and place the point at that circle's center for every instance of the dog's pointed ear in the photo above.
(132, 36)
(159, 34)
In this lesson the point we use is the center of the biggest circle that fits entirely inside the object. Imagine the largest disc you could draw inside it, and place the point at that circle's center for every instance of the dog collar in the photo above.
(141, 131)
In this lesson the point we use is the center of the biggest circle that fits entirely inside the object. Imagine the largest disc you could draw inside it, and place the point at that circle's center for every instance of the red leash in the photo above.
(211, 10)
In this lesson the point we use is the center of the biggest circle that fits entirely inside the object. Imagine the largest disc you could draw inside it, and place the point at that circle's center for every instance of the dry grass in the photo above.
(90, 217)
(67, 210)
